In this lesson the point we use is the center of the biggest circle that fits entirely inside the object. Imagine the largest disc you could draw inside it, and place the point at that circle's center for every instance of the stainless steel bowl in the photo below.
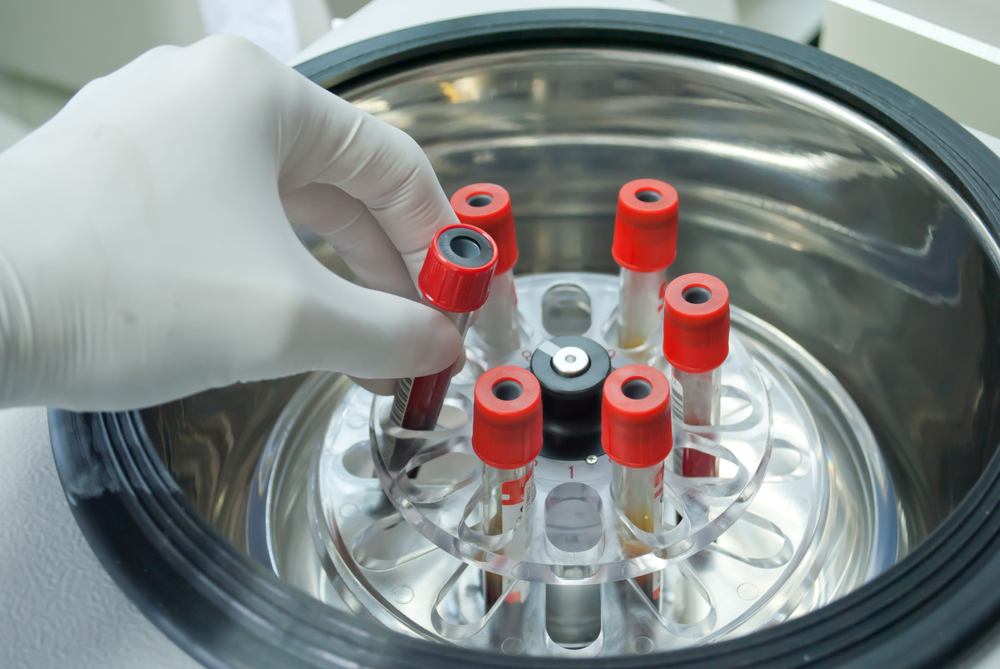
(837, 208)
(818, 220)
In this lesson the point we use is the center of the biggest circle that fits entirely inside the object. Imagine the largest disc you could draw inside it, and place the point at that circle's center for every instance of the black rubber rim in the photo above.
(227, 611)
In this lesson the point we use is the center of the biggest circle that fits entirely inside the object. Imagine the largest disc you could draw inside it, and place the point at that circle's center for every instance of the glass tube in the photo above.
(638, 493)
(498, 322)
(640, 306)
(507, 497)
(696, 400)
(418, 401)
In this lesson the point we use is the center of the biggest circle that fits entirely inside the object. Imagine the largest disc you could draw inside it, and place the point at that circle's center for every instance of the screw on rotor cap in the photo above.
(696, 323)
(571, 394)
(507, 417)
(458, 268)
(635, 416)
(487, 206)
(570, 361)
(645, 226)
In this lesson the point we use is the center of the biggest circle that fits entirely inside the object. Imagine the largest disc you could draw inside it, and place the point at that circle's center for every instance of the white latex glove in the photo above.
(145, 252)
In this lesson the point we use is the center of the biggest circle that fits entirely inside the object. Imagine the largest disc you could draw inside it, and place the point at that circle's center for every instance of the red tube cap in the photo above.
(635, 416)
(645, 226)
(458, 269)
(487, 206)
(507, 417)
(696, 324)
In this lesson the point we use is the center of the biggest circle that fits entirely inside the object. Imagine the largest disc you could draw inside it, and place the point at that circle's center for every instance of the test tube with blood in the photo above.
(507, 437)
(455, 280)
(636, 435)
(487, 206)
(696, 343)
(645, 244)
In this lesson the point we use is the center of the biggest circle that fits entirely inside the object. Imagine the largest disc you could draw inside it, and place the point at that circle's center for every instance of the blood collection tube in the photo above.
(455, 280)
(507, 437)
(636, 435)
(487, 206)
(645, 245)
(696, 343)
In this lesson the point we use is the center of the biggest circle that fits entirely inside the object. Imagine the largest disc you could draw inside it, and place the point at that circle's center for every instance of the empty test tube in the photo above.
(507, 437)
(636, 434)
(455, 280)
(645, 244)
(696, 343)
(487, 206)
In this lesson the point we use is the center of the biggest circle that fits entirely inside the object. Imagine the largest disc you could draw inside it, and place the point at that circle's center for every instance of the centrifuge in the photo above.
(767, 443)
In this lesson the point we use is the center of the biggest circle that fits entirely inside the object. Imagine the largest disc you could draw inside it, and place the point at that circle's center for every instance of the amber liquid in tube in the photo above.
(638, 492)
(640, 306)
(508, 494)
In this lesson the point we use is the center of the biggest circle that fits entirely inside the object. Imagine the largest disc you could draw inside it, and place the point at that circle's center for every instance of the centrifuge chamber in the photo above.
(855, 226)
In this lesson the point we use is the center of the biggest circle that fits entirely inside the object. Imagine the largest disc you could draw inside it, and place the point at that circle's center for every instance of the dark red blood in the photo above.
(698, 464)
(426, 399)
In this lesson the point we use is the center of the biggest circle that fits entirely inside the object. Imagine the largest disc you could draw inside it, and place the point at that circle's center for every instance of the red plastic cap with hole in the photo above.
(635, 416)
(696, 323)
(487, 206)
(645, 232)
(507, 417)
(458, 282)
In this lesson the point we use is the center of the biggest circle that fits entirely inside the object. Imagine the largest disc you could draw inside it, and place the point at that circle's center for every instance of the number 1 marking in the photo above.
(571, 471)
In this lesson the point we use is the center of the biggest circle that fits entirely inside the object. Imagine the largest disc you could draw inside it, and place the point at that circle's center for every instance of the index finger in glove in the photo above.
(329, 140)
(352, 230)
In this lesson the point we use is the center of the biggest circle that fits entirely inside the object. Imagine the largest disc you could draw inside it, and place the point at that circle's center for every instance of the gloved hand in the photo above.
(145, 251)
